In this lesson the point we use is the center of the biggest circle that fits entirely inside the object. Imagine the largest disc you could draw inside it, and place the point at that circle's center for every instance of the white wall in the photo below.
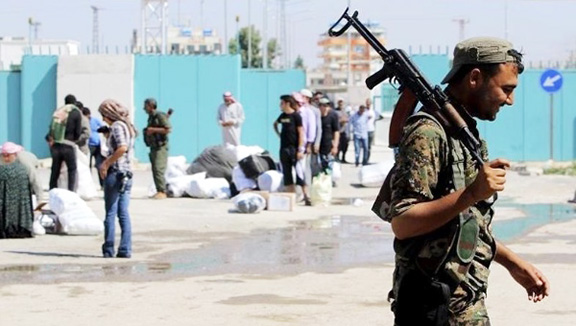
(94, 78)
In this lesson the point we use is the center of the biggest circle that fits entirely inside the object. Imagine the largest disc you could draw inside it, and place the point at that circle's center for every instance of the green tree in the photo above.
(273, 51)
(299, 63)
(256, 57)
(256, 60)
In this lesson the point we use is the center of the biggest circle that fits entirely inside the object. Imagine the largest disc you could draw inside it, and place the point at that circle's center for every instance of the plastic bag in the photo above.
(249, 203)
(336, 171)
(209, 188)
(271, 181)
(375, 174)
(176, 187)
(85, 184)
(321, 190)
(241, 181)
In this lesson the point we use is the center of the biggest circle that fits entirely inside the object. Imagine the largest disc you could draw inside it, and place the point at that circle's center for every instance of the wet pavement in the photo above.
(329, 244)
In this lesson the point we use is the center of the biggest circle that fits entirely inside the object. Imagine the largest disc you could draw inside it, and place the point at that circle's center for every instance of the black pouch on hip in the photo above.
(421, 301)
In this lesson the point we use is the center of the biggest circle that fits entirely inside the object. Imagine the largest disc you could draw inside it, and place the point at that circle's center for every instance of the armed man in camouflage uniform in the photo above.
(440, 210)
(156, 137)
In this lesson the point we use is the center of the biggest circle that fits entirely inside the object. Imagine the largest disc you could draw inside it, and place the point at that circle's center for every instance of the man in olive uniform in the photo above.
(440, 210)
(156, 137)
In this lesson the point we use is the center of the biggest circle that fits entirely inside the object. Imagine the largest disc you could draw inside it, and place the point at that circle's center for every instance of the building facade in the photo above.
(185, 40)
(332, 75)
(13, 48)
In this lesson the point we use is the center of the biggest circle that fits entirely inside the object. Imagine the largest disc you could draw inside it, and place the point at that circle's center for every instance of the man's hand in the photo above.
(104, 169)
(316, 149)
(535, 283)
(299, 155)
(490, 179)
(149, 131)
(334, 150)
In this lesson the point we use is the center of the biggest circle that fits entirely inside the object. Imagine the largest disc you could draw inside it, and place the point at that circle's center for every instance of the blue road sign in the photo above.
(551, 80)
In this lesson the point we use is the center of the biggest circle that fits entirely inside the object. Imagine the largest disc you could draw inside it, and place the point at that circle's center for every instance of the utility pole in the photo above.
(238, 47)
(283, 39)
(348, 59)
(34, 25)
(249, 35)
(461, 27)
(265, 36)
(227, 51)
(154, 25)
(95, 30)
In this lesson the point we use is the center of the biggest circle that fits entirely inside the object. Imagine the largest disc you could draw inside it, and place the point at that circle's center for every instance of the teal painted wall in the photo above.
(261, 91)
(38, 100)
(193, 87)
(521, 132)
(10, 106)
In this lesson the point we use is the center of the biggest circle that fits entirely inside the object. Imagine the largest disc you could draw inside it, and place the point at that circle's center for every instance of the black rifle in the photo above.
(398, 67)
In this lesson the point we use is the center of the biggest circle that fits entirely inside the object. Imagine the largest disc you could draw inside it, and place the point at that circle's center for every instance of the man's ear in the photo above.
(475, 78)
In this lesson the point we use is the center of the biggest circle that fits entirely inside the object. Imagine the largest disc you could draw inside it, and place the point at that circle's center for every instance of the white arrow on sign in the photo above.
(549, 82)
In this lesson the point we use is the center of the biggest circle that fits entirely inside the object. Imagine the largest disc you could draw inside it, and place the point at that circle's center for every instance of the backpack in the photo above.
(254, 165)
(59, 121)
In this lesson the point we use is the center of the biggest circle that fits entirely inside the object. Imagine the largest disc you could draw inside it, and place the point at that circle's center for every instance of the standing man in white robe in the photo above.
(230, 118)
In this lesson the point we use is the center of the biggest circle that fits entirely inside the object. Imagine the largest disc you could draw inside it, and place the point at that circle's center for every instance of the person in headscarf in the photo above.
(31, 163)
(116, 171)
(230, 118)
(16, 214)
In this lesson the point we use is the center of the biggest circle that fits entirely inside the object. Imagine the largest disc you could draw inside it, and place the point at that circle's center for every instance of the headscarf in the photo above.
(11, 148)
(229, 96)
(115, 111)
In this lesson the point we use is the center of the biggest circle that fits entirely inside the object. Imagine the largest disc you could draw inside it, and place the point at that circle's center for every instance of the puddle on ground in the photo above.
(326, 245)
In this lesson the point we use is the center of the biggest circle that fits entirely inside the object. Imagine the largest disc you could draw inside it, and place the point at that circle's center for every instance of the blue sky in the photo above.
(543, 29)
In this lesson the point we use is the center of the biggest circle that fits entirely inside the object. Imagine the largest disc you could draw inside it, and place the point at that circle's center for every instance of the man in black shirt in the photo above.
(330, 132)
(62, 136)
(292, 145)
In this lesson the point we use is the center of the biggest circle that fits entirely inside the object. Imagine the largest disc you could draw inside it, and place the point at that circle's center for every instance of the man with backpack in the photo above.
(64, 132)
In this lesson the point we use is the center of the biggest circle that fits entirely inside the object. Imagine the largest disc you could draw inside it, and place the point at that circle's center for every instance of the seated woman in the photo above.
(16, 214)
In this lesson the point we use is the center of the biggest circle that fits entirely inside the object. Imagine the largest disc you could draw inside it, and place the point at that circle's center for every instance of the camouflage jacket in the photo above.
(430, 164)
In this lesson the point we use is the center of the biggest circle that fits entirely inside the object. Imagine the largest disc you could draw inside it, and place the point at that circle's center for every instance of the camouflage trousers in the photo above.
(159, 162)
(473, 315)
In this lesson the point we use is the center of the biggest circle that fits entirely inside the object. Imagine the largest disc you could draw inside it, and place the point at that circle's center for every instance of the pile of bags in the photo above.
(68, 214)
(220, 172)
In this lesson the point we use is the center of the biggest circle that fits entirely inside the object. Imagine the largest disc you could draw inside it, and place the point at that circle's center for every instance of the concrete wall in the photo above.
(94, 78)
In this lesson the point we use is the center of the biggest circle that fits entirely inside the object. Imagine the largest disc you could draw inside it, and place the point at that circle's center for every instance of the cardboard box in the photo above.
(281, 201)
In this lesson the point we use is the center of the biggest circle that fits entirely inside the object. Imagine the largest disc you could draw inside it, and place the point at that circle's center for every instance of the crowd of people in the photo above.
(313, 131)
